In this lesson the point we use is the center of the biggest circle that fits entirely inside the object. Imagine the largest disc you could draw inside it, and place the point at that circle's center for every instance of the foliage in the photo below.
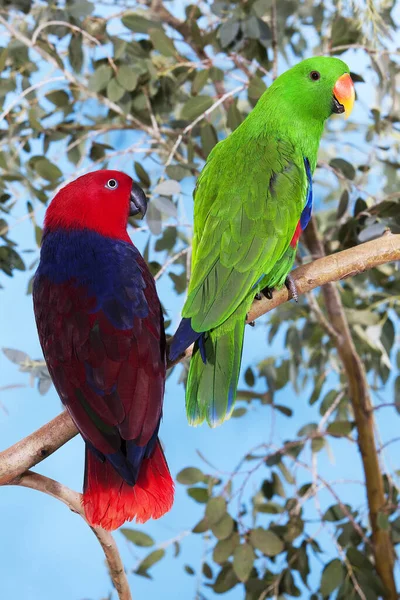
(154, 91)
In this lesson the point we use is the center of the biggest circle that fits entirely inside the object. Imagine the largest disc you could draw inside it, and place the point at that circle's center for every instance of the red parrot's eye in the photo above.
(315, 75)
(112, 184)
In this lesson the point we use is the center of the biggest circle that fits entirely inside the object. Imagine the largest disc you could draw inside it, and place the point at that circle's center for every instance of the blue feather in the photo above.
(306, 214)
(183, 338)
(118, 285)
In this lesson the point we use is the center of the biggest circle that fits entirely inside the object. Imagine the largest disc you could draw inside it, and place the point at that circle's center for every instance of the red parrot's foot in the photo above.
(291, 286)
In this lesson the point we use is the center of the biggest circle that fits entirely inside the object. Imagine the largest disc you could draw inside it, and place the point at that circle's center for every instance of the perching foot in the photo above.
(268, 292)
(291, 286)
(258, 297)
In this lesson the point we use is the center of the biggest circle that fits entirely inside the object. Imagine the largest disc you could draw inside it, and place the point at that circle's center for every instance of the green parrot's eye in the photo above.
(315, 75)
(112, 184)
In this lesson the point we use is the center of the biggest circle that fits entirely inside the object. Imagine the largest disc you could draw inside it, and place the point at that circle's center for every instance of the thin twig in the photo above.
(72, 499)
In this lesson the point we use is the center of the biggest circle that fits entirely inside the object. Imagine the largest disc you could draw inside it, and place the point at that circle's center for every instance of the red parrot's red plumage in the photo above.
(101, 328)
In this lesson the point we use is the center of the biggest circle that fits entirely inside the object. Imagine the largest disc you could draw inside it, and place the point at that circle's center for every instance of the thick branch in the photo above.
(46, 440)
(361, 403)
(72, 499)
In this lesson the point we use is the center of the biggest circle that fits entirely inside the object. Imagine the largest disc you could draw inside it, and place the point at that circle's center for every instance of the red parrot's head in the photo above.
(100, 201)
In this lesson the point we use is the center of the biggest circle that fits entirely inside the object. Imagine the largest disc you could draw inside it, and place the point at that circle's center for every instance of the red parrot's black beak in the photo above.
(137, 201)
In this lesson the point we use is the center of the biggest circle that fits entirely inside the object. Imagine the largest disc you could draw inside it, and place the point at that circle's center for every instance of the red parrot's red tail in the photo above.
(109, 501)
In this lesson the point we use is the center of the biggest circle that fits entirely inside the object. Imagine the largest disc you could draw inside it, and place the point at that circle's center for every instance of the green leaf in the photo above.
(201, 526)
(317, 444)
(249, 377)
(226, 580)
(383, 521)
(142, 174)
(127, 78)
(114, 90)
(209, 138)
(228, 32)
(47, 169)
(344, 167)
(234, 117)
(177, 172)
(243, 560)
(189, 476)
(169, 187)
(256, 88)
(216, 509)
(100, 78)
(266, 541)
(189, 570)
(339, 428)
(138, 23)
(75, 52)
(162, 43)
(239, 412)
(343, 204)
(139, 538)
(198, 494)
(345, 31)
(199, 81)
(16, 356)
(397, 393)
(194, 107)
(336, 513)
(332, 577)
(223, 549)
(153, 219)
(150, 560)
(223, 528)
(165, 206)
(59, 98)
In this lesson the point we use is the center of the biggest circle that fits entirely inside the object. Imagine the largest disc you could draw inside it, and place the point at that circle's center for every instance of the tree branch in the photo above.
(361, 403)
(33, 449)
(72, 499)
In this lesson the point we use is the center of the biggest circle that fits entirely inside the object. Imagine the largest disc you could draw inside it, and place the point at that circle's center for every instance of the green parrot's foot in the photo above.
(251, 323)
(268, 292)
(258, 297)
(291, 286)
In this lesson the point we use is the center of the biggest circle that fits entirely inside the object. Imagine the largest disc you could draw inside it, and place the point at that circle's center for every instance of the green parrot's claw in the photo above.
(251, 323)
(258, 297)
(291, 286)
(268, 292)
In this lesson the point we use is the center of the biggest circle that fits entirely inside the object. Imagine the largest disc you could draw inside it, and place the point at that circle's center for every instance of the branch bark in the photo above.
(36, 447)
(72, 499)
(361, 403)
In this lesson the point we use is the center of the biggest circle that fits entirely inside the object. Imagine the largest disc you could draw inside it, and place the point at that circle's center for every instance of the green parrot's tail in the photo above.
(211, 387)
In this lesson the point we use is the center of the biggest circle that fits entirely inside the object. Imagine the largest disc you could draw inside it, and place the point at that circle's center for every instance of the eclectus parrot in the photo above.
(101, 329)
(252, 201)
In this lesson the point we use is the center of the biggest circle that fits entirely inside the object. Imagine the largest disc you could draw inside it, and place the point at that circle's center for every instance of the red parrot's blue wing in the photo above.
(101, 329)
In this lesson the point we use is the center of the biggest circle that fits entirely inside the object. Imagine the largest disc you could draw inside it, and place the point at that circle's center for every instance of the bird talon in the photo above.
(268, 292)
(252, 323)
(258, 296)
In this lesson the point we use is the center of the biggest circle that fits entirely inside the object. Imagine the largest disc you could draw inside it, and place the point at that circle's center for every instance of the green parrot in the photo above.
(252, 200)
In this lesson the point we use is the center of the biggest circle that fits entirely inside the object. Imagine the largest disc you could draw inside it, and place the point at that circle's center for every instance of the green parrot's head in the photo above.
(316, 88)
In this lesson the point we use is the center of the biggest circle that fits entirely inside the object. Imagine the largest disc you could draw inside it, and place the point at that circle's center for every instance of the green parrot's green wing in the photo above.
(248, 201)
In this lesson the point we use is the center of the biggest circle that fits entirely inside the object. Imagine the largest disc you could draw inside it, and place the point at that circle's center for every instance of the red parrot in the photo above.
(101, 329)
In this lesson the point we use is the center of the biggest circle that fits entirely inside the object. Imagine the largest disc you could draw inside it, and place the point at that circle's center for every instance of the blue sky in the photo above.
(48, 552)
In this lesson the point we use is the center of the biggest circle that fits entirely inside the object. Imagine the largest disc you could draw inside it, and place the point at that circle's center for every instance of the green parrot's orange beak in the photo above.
(344, 95)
